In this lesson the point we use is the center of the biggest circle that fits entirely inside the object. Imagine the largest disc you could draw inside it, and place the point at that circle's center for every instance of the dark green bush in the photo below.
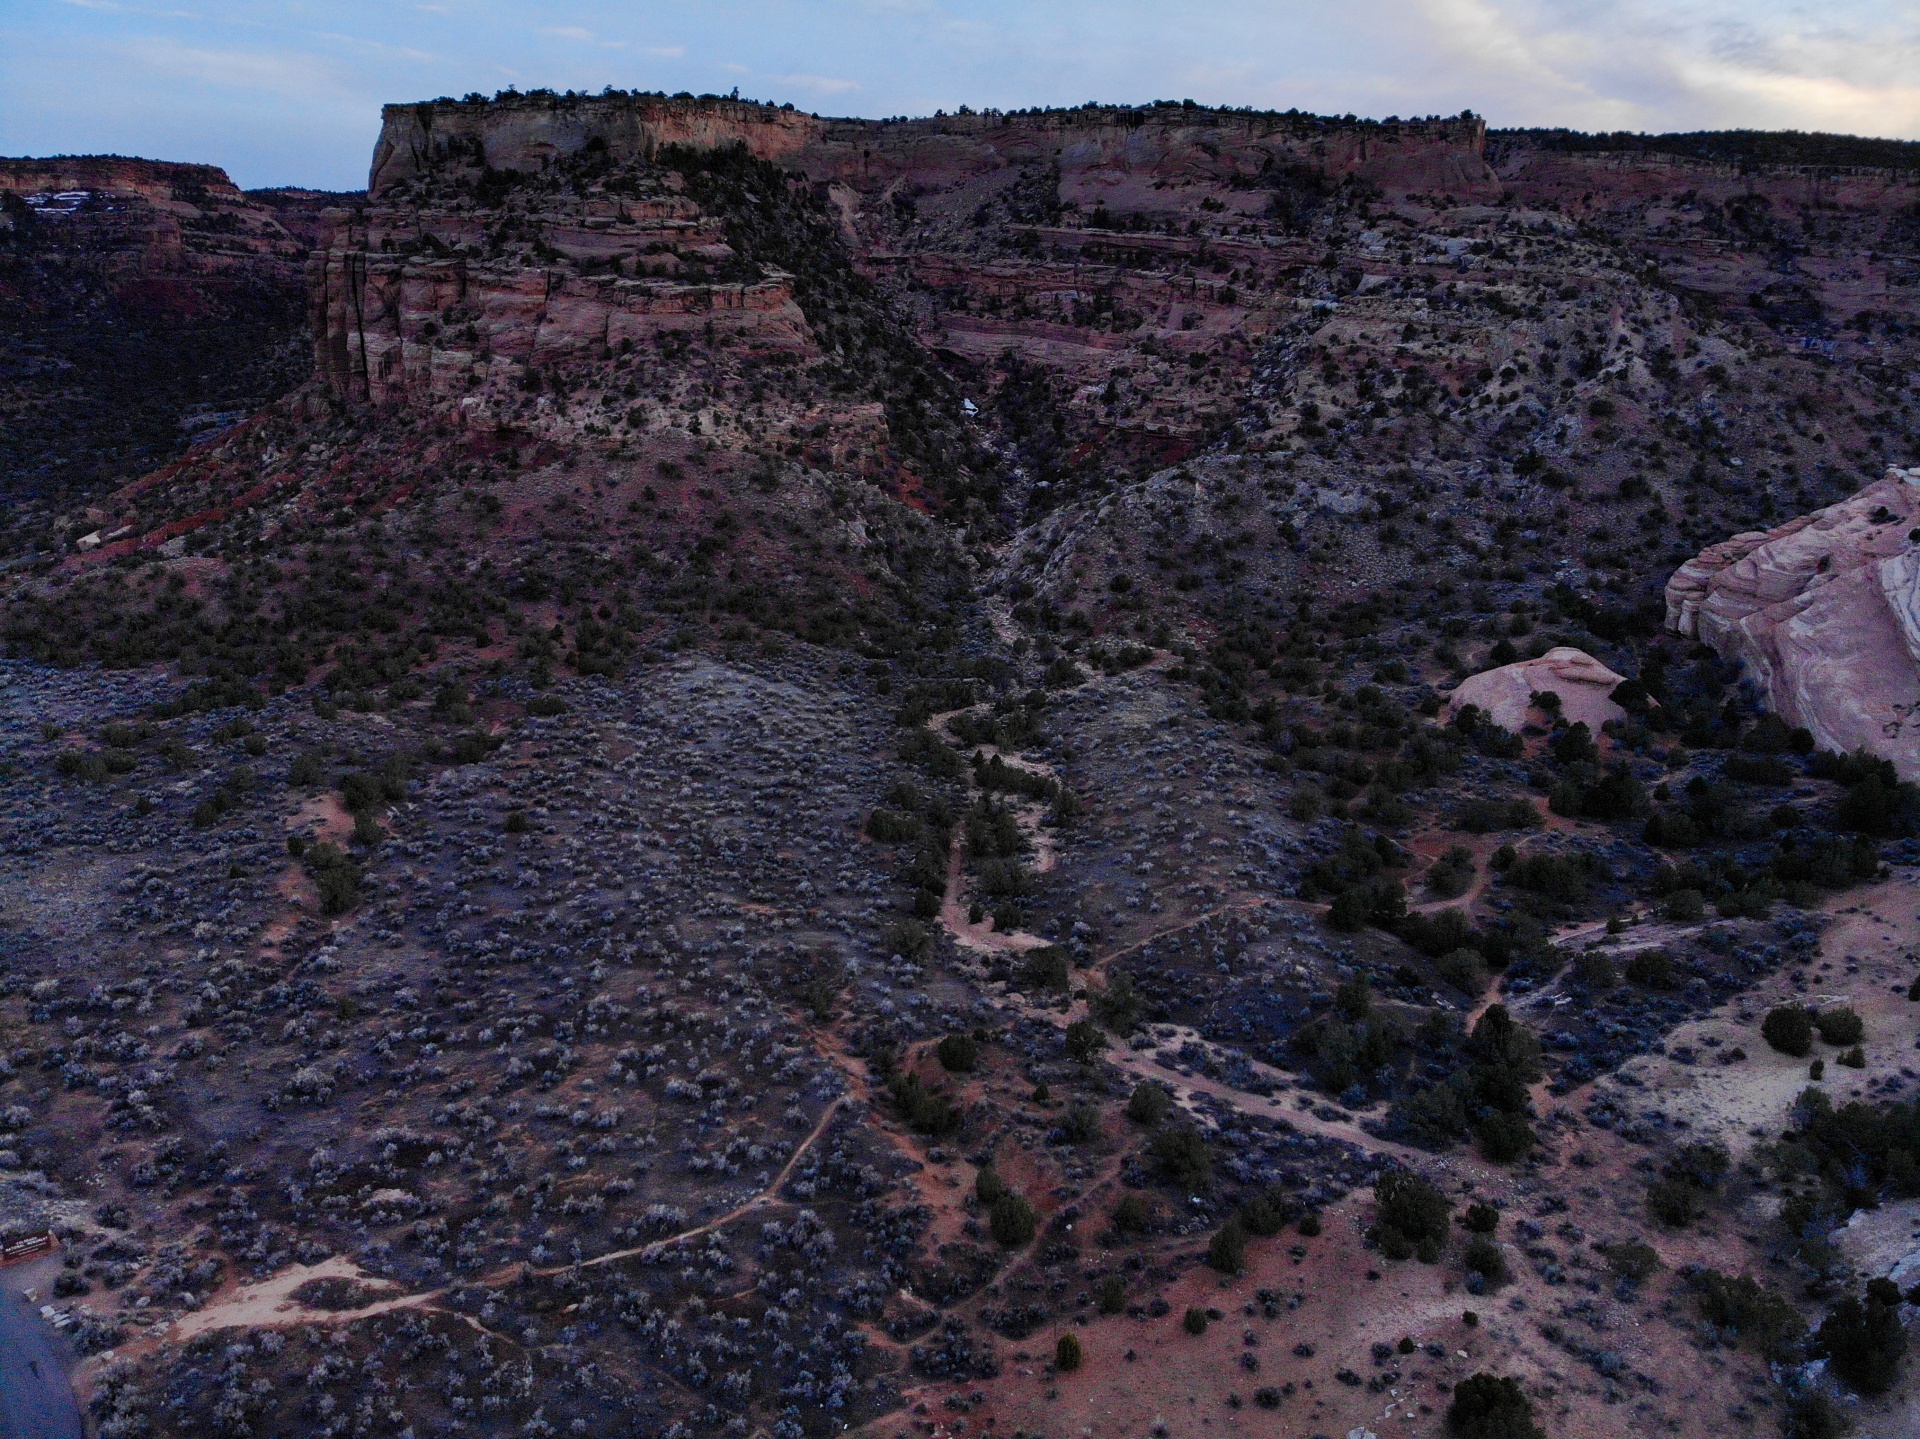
(1085, 1040)
(1652, 968)
(1863, 1338)
(1149, 1103)
(1412, 1216)
(1486, 1407)
(1266, 1213)
(1228, 1251)
(1046, 968)
(1066, 1354)
(1181, 1157)
(1485, 1258)
(1789, 1029)
(1761, 1317)
(958, 1053)
(988, 1185)
(923, 1110)
(334, 874)
(1632, 1260)
(1505, 1138)
(1839, 1026)
(1011, 1220)
(1194, 1321)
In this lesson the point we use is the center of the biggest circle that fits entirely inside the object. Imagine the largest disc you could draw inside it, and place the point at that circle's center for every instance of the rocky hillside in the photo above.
(1009, 773)
(142, 305)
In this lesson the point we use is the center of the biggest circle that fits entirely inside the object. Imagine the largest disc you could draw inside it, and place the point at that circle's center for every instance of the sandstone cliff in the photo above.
(1824, 612)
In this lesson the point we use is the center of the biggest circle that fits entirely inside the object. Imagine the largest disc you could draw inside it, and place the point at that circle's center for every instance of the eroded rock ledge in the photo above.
(1824, 612)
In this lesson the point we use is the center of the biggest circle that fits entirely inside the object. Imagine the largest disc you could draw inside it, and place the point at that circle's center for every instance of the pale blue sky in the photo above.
(289, 91)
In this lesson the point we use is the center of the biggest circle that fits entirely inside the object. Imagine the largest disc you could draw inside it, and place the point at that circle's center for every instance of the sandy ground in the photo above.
(1548, 1327)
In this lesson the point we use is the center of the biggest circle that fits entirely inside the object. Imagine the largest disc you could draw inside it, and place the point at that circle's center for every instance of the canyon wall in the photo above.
(1824, 614)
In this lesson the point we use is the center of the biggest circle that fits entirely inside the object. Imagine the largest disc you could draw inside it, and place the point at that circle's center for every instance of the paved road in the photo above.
(36, 1401)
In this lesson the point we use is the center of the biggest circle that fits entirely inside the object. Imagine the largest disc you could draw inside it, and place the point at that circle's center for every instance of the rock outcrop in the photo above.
(1504, 695)
(1824, 613)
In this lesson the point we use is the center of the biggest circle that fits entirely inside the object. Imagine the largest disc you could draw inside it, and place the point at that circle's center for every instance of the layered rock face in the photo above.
(179, 242)
(1825, 614)
(140, 303)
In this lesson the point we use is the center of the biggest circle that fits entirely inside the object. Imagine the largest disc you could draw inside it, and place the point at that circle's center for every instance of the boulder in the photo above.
(1824, 614)
(1503, 695)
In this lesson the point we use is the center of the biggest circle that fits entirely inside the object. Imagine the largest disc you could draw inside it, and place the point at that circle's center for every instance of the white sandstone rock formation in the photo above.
(1824, 613)
(1504, 694)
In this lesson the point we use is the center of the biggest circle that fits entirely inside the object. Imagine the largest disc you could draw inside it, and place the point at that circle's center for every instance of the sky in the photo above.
(289, 91)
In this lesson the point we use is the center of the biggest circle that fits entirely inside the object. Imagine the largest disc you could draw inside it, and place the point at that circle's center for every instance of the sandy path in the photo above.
(270, 1302)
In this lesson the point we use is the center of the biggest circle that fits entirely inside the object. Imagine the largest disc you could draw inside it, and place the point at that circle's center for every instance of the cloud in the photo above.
(112, 7)
(567, 32)
(666, 52)
(819, 84)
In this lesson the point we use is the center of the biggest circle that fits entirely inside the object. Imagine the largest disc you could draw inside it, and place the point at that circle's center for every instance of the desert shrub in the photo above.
(1181, 1157)
(1113, 1295)
(334, 874)
(1761, 1318)
(1149, 1103)
(1839, 1026)
(1351, 910)
(1309, 1225)
(1133, 1214)
(1440, 933)
(1484, 1257)
(1480, 1219)
(1652, 968)
(1632, 1260)
(1504, 1138)
(517, 822)
(1855, 1058)
(988, 1185)
(958, 1053)
(1046, 968)
(1486, 1407)
(1789, 1029)
(1683, 906)
(1464, 969)
(1674, 1203)
(1084, 1041)
(923, 1110)
(1081, 1124)
(1451, 874)
(1306, 804)
(1482, 816)
(1595, 970)
(1863, 1338)
(1194, 1321)
(1812, 1415)
(889, 827)
(1505, 1060)
(1011, 1220)
(546, 706)
(1562, 878)
(1115, 1005)
(1227, 1253)
(1066, 1354)
(1266, 1213)
(1411, 1218)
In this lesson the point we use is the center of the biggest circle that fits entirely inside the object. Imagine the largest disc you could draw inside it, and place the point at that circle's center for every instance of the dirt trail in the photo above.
(271, 1302)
